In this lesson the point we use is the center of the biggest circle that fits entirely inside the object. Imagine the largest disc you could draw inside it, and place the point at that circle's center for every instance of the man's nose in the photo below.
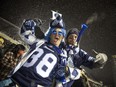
(73, 38)
(57, 34)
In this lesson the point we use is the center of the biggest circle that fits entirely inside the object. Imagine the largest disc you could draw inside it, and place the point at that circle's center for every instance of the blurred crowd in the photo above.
(10, 55)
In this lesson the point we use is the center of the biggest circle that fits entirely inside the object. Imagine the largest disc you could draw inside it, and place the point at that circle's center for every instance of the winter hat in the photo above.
(72, 31)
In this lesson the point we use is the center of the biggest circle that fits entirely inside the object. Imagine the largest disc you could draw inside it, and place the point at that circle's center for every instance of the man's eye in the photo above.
(60, 33)
(54, 32)
(75, 36)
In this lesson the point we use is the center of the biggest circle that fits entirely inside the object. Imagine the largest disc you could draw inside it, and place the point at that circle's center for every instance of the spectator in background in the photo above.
(8, 63)
(78, 57)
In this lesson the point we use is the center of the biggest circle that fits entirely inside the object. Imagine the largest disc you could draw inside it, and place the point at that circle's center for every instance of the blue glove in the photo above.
(31, 25)
(28, 25)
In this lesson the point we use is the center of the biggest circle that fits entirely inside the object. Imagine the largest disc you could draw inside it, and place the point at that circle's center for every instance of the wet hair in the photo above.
(15, 48)
(47, 37)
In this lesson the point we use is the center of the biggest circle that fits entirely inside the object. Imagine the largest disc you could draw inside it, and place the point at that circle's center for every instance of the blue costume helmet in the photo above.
(57, 22)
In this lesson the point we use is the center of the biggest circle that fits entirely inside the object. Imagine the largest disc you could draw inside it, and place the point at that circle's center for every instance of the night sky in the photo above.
(101, 34)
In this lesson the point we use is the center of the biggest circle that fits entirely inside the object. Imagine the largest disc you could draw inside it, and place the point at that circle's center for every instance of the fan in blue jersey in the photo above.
(41, 64)
(77, 57)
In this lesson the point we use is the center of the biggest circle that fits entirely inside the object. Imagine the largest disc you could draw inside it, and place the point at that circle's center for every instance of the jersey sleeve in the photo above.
(83, 58)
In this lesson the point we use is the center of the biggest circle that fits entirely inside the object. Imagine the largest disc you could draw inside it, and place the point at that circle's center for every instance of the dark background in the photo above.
(100, 36)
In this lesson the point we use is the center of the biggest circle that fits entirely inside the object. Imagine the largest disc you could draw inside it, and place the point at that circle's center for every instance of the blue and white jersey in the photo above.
(79, 57)
(76, 58)
(39, 69)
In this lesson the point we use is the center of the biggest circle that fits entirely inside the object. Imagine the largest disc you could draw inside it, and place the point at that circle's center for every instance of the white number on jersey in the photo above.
(45, 66)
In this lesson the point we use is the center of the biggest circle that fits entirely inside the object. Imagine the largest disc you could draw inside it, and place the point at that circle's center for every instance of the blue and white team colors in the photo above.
(39, 69)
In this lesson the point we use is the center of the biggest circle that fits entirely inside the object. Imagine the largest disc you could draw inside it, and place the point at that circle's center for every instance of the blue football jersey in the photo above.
(80, 57)
(76, 58)
(39, 69)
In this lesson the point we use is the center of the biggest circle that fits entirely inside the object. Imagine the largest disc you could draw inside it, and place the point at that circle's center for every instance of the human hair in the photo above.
(16, 49)
(47, 37)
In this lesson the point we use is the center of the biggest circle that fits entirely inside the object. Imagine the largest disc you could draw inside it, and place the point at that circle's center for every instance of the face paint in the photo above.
(60, 33)
(56, 37)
